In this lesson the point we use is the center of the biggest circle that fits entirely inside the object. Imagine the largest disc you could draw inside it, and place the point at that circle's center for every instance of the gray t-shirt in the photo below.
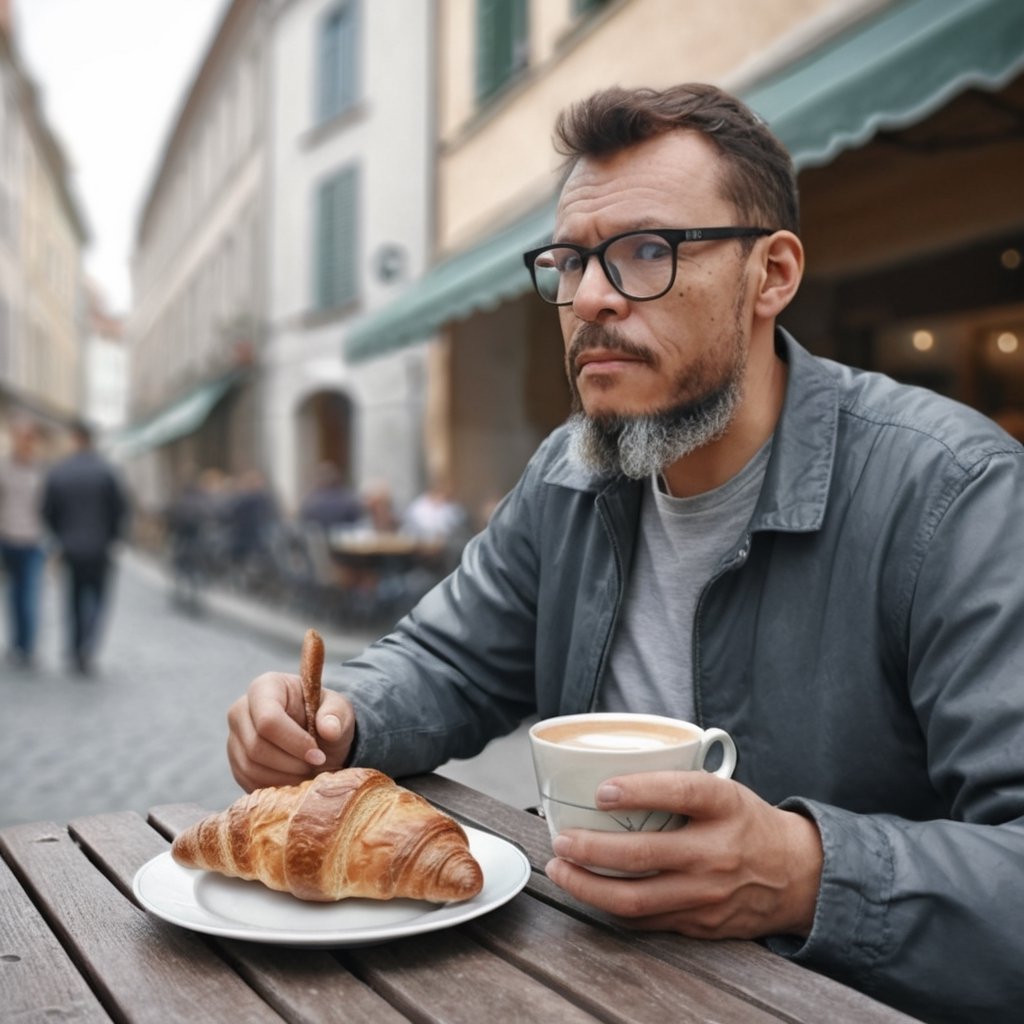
(679, 546)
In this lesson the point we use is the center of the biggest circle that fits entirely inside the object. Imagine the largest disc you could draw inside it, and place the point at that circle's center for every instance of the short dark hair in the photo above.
(759, 179)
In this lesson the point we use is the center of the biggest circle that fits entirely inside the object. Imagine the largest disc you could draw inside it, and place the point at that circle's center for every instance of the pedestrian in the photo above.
(821, 561)
(330, 502)
(21, 539)
(85, 507)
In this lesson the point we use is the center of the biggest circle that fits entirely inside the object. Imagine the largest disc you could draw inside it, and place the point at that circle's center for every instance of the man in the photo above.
(85, 508)
(21, 539)
(820, 561)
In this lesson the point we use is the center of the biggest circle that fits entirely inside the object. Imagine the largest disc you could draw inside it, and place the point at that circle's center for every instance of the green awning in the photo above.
(479, 278)
(889, 73)
(179, 419)
(886, 72)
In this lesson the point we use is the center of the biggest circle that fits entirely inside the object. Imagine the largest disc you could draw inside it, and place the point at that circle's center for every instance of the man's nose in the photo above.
(596, 297)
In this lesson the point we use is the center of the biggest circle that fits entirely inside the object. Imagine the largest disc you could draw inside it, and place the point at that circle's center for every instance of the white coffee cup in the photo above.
(574, 754)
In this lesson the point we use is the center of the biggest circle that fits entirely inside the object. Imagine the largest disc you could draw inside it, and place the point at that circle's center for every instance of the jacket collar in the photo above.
(799, 471)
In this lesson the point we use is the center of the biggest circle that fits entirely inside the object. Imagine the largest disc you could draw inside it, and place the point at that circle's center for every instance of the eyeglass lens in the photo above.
(638, 265)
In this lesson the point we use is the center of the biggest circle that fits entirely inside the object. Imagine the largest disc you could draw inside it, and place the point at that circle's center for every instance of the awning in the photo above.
(887, 72)
(479, 278)
(179, 419)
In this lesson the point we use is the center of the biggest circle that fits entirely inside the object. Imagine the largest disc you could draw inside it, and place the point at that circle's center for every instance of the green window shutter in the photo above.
(337, 60)
(501, 43)
(336, 241)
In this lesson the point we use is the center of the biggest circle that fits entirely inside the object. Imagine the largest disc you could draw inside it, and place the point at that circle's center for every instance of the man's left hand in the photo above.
(739, 868)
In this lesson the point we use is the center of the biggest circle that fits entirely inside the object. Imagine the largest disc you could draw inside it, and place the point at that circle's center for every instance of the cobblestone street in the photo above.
(149, 725)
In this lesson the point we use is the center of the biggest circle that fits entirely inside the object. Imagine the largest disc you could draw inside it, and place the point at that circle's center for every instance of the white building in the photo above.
(350, 161)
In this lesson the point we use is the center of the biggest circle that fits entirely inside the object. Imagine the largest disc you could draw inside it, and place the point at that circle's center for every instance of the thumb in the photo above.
(335, 728)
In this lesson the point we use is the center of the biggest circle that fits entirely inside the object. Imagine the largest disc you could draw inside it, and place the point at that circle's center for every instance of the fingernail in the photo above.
(608, 794)
(315, 756)
(561, 845)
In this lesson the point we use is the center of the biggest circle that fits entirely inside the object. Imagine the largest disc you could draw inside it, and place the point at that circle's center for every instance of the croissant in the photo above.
(339, 834)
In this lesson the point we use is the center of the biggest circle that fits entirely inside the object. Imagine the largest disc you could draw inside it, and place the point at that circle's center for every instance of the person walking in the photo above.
(85, 507)
(21, 539)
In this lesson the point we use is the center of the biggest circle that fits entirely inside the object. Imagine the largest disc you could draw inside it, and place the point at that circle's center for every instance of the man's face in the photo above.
(627, 358)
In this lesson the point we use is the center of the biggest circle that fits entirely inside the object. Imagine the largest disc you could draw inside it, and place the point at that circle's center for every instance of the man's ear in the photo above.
(781, 272)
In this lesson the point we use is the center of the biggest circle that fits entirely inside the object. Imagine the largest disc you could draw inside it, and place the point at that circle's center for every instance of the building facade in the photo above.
(351, 152)
(197, 324)
(42, 234)
(291, 198)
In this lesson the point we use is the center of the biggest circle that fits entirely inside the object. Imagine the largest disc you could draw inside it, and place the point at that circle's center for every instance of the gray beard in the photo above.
(640, 445)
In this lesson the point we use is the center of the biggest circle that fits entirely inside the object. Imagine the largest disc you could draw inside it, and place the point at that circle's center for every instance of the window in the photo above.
(337, 61)
(501, 43)
(336, 243)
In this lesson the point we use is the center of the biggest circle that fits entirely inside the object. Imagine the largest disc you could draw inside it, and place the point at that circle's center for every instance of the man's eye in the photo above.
(651, 249)
(567, 262)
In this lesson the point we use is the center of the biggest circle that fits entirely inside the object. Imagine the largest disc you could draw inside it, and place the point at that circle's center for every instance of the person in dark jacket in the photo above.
(821, 561)
(85, 508)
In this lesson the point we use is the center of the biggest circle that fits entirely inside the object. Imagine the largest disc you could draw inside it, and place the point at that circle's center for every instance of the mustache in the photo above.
(596, 336)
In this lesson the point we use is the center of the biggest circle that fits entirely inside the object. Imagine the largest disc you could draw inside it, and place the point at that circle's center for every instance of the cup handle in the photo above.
(724, 740)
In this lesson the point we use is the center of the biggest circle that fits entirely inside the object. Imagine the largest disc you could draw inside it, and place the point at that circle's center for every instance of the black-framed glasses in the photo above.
(640, 265)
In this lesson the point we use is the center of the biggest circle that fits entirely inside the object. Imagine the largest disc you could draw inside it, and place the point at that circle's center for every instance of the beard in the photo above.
(638, 445)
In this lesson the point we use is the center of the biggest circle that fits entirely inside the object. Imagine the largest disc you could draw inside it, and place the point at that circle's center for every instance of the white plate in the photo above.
(230, 907)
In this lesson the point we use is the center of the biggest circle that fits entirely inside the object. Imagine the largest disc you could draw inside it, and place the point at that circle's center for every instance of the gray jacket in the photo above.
(863, 643)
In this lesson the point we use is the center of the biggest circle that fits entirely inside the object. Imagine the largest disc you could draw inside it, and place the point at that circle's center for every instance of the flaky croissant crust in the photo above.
(350, 833)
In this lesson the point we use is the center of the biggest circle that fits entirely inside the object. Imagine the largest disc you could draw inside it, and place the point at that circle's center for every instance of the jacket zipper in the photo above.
(736, 561)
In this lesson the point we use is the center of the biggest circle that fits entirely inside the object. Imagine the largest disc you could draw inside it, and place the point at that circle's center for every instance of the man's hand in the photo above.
(268, 744)
(740, 868)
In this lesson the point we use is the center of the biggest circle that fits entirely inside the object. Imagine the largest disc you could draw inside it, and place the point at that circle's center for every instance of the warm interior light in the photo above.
(923, 340)
(1007, 342)
(1010, 258)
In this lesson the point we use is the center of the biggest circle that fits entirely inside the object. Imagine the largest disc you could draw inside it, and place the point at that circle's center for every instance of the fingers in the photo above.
(335, 728)
(268, 744)
(696, 794)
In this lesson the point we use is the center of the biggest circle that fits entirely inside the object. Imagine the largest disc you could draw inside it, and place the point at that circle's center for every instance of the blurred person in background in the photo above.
(86, 510)
(435, 514)
(330, 502)
(21, 538)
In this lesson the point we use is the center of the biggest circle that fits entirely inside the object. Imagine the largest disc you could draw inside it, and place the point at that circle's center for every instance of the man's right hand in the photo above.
(268, 744)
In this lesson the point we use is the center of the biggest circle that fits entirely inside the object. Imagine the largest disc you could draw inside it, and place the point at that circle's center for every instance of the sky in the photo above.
(112, 75)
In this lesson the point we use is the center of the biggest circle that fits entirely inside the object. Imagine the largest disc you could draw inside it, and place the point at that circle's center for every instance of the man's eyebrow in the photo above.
(646, 224)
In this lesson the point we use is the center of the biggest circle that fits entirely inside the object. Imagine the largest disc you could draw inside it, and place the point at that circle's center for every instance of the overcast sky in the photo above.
(112, 74)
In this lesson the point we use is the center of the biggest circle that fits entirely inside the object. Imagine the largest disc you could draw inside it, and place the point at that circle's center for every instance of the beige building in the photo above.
(42, 233)
(903, 118)
(198, 275)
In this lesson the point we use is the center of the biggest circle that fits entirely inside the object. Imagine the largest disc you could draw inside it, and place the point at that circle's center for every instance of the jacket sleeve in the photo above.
(926, 915)
(457, 671)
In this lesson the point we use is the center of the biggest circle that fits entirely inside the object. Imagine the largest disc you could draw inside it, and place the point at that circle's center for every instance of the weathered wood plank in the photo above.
(743, 968)
(38, 981)
(300, 984)
(170, 819)
(445, 977)
(141, 969)
(605, 972)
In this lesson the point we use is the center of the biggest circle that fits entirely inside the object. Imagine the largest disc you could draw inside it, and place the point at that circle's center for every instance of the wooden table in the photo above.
(75, 947)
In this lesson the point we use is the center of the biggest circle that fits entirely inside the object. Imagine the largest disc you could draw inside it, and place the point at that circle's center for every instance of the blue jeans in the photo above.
(24, 565)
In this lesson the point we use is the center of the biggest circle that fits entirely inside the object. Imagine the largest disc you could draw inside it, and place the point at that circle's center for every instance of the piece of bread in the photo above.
(311, 666)
(340, 834)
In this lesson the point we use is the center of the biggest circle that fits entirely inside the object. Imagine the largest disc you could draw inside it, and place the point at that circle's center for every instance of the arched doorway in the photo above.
(324, 435)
